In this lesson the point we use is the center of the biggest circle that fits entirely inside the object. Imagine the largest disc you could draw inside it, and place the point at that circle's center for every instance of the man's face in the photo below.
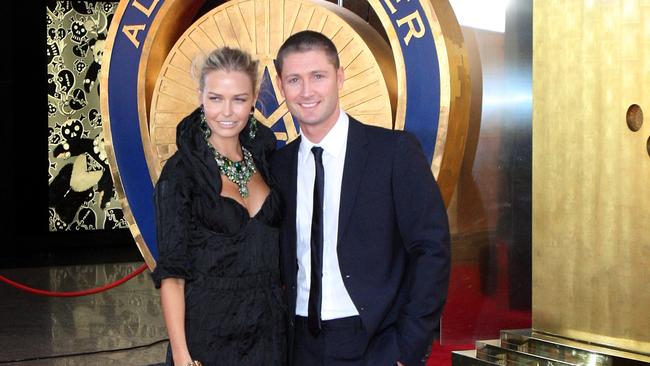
(310, 85)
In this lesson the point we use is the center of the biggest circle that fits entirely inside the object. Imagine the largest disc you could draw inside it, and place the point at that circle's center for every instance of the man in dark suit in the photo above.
(365, 241)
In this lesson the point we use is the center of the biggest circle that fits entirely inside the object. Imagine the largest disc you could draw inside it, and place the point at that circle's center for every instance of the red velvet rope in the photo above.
(91, 291)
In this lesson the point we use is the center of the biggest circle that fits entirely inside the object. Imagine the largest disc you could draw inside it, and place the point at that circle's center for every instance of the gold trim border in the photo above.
(108, 141)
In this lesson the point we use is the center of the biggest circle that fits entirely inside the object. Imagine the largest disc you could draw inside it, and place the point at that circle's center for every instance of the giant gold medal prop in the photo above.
(418, 81)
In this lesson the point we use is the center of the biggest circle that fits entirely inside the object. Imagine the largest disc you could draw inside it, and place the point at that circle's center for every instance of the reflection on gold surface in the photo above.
(82, 330)
(591, 197)
(523, 347)
(465, 210)
(112, 319)
(455, 94)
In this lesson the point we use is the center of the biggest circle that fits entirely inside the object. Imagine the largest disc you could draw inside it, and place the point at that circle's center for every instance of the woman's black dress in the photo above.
(235, 310)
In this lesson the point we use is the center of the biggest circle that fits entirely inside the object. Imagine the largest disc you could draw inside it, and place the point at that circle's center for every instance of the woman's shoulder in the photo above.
(174, 171)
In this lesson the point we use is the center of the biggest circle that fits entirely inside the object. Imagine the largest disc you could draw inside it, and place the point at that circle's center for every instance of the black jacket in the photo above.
(393, 240)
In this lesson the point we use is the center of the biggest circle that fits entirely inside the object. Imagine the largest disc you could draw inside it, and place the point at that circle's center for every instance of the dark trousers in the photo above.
(342, 342)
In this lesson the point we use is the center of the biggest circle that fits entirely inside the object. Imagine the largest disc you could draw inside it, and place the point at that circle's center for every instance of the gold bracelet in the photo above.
(194, 363)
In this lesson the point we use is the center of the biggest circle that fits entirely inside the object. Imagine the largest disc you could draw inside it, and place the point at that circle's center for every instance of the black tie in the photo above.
(315, 289)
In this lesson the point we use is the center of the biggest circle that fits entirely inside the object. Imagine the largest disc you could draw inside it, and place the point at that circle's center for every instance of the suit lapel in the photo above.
(291, 196)
(354, 166)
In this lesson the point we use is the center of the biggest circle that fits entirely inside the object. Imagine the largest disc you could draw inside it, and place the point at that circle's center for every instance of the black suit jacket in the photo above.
(393, 240)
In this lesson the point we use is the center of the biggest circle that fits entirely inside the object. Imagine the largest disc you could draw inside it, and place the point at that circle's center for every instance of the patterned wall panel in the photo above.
(81, 191)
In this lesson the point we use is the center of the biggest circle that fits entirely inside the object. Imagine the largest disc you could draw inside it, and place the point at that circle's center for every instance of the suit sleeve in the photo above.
(424, 229)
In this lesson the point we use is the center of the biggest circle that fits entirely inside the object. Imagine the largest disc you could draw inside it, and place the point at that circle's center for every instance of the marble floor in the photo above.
(121, 326)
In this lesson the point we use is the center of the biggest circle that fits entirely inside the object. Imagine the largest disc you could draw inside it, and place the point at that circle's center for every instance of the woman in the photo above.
(217, 219)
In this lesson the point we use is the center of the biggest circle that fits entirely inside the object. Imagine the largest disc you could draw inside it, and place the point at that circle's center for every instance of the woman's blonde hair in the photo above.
(227, 59)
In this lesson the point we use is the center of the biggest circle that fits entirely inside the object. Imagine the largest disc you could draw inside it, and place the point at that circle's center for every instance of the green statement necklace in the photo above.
(238, 172)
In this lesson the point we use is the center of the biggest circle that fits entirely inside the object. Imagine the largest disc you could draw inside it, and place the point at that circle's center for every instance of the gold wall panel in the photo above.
(591, 173)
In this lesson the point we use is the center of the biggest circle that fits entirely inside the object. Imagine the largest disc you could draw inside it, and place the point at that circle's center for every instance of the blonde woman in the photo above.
(217, 217)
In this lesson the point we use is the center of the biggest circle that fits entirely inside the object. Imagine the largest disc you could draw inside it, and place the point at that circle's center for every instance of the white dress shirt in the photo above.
(336, 300)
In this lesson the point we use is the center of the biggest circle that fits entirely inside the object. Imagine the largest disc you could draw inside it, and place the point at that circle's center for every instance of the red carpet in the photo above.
(472, 315)
(441, 355)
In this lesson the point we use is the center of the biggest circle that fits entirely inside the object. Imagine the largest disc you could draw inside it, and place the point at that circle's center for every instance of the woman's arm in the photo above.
(172, 296)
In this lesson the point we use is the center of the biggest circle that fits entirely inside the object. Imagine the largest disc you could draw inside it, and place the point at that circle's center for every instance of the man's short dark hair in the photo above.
(306, 41)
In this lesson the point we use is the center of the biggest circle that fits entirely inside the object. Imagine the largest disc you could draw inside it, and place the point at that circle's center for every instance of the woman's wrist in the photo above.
(184, 360)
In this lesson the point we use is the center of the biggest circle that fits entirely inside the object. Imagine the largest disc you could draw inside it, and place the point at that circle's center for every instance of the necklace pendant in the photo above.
(239, 172)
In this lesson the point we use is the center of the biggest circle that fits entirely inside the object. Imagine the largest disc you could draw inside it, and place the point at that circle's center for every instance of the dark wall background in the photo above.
(6, 145)
(25, 237)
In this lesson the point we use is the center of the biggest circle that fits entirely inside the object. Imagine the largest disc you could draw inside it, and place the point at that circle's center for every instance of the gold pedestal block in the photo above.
(526, 347)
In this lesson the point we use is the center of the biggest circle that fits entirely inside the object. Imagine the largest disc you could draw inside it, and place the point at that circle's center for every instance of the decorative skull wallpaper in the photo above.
(81, 191)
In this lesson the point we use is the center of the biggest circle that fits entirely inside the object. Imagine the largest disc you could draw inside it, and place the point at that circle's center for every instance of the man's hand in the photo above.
(399, 363)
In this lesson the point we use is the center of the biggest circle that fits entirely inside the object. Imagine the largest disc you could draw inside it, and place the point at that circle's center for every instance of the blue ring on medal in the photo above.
(126, 136)
(422, 71)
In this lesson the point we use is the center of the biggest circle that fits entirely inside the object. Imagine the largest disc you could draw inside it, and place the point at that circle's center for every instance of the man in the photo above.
(365, 248)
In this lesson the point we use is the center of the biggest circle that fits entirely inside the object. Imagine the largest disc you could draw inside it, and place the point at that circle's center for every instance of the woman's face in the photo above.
(227, 100)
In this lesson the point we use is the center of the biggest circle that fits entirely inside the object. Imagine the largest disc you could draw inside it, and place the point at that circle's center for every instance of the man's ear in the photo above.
(340, 77)
(278, 81)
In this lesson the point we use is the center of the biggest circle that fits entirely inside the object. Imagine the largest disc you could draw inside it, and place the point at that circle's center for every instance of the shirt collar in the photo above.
(333, 143)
